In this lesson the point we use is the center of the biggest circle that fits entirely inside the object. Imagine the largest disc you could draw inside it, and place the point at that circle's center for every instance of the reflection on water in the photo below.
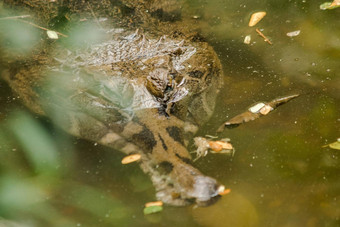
(234, 209)
(280, 174)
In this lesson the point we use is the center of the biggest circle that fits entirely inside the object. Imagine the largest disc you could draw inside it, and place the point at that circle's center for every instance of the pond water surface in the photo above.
(280, 175)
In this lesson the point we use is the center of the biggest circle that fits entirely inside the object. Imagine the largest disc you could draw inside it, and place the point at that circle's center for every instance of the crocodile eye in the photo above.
(157, 82)
(166, 167)
(177, 52)
(196, 74)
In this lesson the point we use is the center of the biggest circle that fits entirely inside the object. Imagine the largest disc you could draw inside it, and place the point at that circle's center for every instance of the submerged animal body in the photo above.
(137, 93)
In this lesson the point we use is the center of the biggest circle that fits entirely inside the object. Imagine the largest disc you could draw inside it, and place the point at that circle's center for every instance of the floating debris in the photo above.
(257, 107)
(52, 34)
(255, 18)
(153, 207)
(225, 191)
(330, 5)
(131, 158)
(335, 145)
(156, 203)
(263, 36)
(204, 145)
(266, 109)
(261, 108)
(255, 111)
(14, 17)
(294, 33)
(220, 146)
(220, 189)
(247, 39)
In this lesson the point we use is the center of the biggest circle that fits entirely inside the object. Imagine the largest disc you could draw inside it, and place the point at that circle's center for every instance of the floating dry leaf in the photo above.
(266, 109)
(255, 18)
(220, 146)
(215, 146)
(255, 111)
(131, 158)
(204, 145)
(156, 203)
(330, 5)
(257, 107)
(335, 145)
(294, 33)
(247, 39)
(336, 3)
(225, 192)
(52, 34)
(282, 100)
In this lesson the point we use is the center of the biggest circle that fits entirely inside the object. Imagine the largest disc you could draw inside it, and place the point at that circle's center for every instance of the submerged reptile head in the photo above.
(185, 185)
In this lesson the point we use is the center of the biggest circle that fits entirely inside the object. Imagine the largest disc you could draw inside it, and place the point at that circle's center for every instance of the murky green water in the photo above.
(280, 175)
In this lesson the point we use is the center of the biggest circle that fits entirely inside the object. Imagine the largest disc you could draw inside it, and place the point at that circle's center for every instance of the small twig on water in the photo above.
(37, 26)
(18, 18)
(15, 17)
(263, 36)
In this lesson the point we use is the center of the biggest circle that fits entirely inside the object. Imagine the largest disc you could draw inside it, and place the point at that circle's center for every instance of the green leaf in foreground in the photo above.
(152, 209)
(38, 145)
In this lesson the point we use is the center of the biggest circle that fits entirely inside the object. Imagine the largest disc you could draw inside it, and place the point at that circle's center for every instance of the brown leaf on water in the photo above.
(255, 111)
(215, 146)
(205, 145)
(131, 158)
(266, 109)
(282, 100)
(156, 203)
(239, 119)
(218, 146)
(255, 18)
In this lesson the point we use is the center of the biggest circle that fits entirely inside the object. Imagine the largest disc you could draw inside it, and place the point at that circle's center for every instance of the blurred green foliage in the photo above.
(38, 145)
(18, 37)
(32, 179)
(279, 159)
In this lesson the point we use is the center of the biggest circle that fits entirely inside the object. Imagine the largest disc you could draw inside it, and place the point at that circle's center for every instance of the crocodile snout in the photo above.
(206, 190)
